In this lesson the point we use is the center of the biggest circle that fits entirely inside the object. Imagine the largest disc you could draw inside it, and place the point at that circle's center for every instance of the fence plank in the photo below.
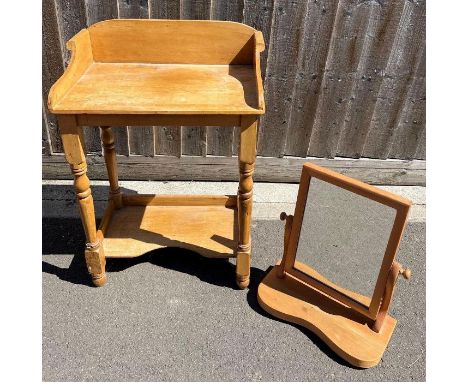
(286, 169)
(99, 10)
(258, 14)
(413, 116)
(52, 68)
(195, 9)
(219, 139)
(140, 139)
(317, 30)
(345, 51)
(164, 9)
(133, 9)
(194, 138)
(166, 138)
(383, 24)
(421, 147)
(409, 38)
(279, 81)
(46, 147)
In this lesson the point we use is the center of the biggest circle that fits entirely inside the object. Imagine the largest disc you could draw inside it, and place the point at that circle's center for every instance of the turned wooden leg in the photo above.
(73, 145)
(247, 153)
(111, 164)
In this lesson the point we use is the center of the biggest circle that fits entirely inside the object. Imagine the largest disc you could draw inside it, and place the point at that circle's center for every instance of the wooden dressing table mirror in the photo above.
(338, 270)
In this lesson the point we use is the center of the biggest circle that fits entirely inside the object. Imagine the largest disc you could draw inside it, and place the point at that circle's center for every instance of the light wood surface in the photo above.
(172, 41)
(73, 144)
(345, 331)
(209, 229)
(355, 327)
(185, 67)
(119, 88)
(162, 72)
(247, 155)
(108, 144)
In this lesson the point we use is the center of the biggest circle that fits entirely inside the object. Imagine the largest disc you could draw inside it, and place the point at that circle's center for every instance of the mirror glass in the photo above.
(344, 236)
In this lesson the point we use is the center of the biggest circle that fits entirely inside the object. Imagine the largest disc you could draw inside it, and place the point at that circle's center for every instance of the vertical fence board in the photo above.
(279, 80)
(52, 68)
(409, 39)
(140, 139)
(133, 9)
(421, 147)
(258, 14)
(219, 140)
(383, 23)
(413, 115)
(164, 9)
(166, 138)
(195, 9)
(194, 138)
(317, 29)
(46, 148)
(344, 54)
(99, 10)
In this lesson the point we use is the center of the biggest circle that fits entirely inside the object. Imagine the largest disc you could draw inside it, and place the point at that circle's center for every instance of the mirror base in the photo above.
(345, 331)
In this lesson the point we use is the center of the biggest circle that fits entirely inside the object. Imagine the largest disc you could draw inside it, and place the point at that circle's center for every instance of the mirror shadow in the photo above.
(255, 280)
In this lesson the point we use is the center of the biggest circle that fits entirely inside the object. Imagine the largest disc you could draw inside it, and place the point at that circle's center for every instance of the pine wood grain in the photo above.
(343, 330)
(207, 230)
(128, 88)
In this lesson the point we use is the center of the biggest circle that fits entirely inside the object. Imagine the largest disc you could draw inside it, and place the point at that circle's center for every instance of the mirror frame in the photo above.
(400, 204)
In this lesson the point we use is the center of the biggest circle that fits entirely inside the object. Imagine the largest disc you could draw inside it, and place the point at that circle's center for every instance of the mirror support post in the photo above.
(393, 274)
(287, 234)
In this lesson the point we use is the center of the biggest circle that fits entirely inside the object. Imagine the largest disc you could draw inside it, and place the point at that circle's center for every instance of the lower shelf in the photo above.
(342, 329)
(206, 225)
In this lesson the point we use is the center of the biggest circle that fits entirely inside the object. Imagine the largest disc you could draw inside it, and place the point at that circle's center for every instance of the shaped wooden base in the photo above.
(345, 331)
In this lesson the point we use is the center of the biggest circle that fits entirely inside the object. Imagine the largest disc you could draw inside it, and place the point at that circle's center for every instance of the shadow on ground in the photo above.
(65, 236)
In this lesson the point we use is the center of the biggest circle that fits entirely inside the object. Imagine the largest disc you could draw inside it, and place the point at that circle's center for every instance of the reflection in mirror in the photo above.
(344, 236)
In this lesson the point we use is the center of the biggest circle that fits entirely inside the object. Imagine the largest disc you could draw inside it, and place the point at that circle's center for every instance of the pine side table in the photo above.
(159, 73)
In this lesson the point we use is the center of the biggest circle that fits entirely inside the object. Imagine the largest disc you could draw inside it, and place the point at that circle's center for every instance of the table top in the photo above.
(162, 89)
(139, 67)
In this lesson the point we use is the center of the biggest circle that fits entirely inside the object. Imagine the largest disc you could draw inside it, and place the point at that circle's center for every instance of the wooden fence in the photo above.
(343, 80)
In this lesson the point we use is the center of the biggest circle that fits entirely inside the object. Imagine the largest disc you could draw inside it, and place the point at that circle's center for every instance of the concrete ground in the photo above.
(172, 315)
